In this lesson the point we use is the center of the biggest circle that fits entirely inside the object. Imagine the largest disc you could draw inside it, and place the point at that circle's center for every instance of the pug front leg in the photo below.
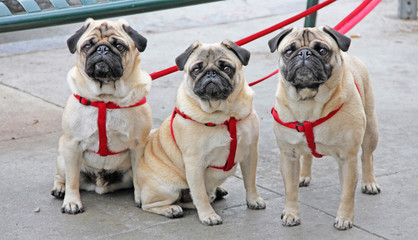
(305, 170)
(369, 184)
(136, 154)
(59, 181)
(72, 155)
(248, 169)
(289, 167)
(196, 181)
(348, 180)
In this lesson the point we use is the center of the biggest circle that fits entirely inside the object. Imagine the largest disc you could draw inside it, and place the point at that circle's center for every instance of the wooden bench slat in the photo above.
(59, 4)
(4, 11)
(30, 6)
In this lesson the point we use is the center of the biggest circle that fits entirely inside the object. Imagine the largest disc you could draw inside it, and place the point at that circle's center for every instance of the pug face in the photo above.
(308, 56)
(106, 49)
(211, 69)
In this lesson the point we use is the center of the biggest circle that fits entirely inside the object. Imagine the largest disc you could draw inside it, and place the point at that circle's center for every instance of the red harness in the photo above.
(101, 121)
(307, 126)
(232, 129)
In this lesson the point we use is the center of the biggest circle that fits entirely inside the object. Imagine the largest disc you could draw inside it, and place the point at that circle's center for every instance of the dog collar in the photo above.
(232, 129)
(307, 127)
(101, 121)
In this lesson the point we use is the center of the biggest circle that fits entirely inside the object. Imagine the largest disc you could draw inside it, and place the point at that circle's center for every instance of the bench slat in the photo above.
(88, 2)
(59, 4)
(74, 14)
(30, 6)
(4, 11)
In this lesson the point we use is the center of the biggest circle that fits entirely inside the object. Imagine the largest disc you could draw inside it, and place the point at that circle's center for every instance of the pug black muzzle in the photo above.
(104, 63)
(307, 68)
(212, 85)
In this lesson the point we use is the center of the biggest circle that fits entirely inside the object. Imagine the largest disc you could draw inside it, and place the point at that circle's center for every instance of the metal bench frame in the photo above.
(64, 13)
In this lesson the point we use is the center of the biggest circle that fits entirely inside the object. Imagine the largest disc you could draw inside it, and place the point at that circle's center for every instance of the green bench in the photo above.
(64, 13)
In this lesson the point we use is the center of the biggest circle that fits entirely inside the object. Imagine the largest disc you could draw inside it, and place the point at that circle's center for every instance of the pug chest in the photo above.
(217, 155)
(118, 129)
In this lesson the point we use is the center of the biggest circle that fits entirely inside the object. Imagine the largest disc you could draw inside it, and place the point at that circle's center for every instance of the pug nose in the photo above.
(102, 50)
(211, 73)
(305, 53)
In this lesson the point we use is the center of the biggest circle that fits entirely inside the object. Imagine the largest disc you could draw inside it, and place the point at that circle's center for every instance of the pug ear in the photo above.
(182, 58)
(242, 53)
(342, 40)
(139, 40)
(274, 42)
(72, 41)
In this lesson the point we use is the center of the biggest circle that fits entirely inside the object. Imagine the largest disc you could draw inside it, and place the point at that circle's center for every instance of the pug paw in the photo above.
(304, 181)
(217, 194)
(58, 193)
(342, 223)
(59, 190)
(211, 219)
(174, 211)
(220, 193)
(256, 204)
(370, 188)
(289, 219)
(72, 207)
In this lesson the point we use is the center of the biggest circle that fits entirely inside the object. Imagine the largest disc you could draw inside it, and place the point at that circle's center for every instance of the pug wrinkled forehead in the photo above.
(308, 56)
(213, 52)
(212, 67)
(106, 49)
(95, 31)
(308, 37)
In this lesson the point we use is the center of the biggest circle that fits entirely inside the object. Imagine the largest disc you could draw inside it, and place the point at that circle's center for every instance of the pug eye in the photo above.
(120, 47)
(227, 69)
(196, 71)
(288, 53)
(323, 51)
(87, 47)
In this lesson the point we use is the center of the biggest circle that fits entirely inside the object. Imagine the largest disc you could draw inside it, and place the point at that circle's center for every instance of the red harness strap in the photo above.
(101, 121)
(232, 129)
(307, 127)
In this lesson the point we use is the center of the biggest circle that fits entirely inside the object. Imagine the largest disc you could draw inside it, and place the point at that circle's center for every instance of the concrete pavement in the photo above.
(33, 91)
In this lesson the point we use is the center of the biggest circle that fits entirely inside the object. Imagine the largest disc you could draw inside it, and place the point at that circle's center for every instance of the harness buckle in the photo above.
(300, 125)
(84, 101)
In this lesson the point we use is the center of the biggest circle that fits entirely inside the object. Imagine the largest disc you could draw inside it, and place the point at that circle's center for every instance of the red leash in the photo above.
(101, 121)
(255, 36)
(264, 78)
(232, 129)
(164, 72)
(352, 15)
(284, 23)
(344, 26)
(358, 17)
